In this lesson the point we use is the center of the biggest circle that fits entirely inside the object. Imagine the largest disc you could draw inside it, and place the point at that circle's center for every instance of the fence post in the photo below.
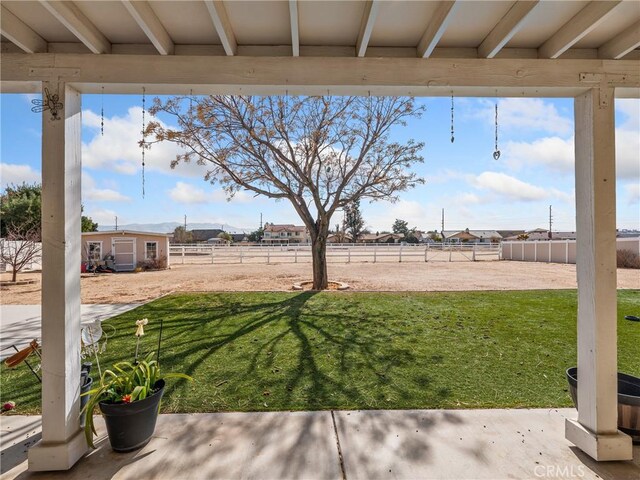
(449, 252)
(241, 250)
(535, 252)
(296, 255)
(268, 256)
(212, 250)
(348, 255)
(566, 251)
(183, 255)
(549, 252)
(375, 250)
(400, 258)
(473, 253)
(426, 253)
(522, 250)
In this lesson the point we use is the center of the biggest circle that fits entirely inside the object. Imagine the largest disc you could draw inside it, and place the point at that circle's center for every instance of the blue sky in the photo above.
(534, 171)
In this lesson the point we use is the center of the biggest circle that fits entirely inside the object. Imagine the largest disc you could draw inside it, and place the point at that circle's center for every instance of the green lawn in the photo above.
(309, 351)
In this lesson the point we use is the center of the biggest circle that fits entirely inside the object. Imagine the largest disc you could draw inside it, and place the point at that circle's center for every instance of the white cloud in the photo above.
(468, 198)
(525, 114)
(103, 216)
(509, 187)
(118, 149)
(554, 153)
(91, 192)
(17, 174)
(633, 193)
(558, 154)
(187, 193)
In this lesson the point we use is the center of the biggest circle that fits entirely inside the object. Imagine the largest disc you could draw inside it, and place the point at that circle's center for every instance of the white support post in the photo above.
(183, 255)
(63, 441)
(596, 432)
(535, 252)
(213, 249)
(296, 255)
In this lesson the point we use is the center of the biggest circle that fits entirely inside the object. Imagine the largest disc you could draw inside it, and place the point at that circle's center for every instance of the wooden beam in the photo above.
(20, 33)
(580, 25)
(174, 74)
(366, 26)
(62, 442)
(295, 34)
(77, 23)
(150, 24)
(622, 44)
(596, 431)
(506, 28)
(439, 23)
(223, 26)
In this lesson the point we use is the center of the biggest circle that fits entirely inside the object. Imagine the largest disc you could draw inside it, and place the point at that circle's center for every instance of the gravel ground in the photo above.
(418, 276)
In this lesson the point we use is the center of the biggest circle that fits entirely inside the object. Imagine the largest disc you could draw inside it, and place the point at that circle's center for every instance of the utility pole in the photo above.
(442, 232)
(185, 223)
(116, 223)
(550, 222)
(260, 220)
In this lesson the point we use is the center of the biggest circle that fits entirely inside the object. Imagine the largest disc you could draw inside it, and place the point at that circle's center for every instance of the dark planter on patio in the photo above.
(131, 425)
(628, 401)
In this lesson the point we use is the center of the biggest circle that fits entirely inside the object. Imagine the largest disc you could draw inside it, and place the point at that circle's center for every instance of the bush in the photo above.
(627, 259)
(159, 263)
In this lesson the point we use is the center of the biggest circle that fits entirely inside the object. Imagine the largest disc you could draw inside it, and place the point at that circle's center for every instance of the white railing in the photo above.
(336, 253)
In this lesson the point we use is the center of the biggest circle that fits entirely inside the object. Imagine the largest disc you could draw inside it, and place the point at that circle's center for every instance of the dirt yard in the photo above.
(432, 276)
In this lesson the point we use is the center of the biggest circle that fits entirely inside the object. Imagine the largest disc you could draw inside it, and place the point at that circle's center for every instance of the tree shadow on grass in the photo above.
(304, 355)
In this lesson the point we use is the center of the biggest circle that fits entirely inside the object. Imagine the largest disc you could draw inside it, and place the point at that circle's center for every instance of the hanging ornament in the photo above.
(143, 136)
(191, 103)
(102, 112)
(496, 152)
(452, 136)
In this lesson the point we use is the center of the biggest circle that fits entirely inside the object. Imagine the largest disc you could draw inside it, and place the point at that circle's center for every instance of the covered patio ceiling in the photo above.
(155, 37)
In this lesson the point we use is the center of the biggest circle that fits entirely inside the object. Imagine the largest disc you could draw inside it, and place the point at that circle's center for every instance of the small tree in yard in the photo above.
(353, 221)
(225, 236)
(19, 248)
(319, 153)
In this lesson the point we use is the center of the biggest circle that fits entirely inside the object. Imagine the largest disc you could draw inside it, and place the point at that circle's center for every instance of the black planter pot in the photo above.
(131, 425)
(628, 401)
(84, 388)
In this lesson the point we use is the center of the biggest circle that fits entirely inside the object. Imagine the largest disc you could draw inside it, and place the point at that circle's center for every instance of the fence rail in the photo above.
(555, 251)
(336, 253)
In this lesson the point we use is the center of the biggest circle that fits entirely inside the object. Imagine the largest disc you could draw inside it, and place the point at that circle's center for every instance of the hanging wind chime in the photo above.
(496, 152)
(452, 106)
(142, 146)
(102, 113)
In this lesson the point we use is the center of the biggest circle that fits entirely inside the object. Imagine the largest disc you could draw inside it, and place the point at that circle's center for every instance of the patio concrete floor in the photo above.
(401, 444)
(21, 323)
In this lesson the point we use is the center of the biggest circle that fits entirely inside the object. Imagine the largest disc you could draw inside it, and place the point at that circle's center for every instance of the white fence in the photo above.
(336, 253)
(10, 245)
(555, 251)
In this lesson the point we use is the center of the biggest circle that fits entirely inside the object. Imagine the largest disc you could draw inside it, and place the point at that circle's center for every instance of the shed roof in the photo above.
(128, 232)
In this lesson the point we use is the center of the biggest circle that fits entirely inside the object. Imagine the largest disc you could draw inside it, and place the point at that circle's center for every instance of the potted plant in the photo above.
(128, 396)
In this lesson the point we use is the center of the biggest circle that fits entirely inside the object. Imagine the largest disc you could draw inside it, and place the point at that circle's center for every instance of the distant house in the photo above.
(285, 233)
(380, 238)
(205, 235)
(124, 249)
(339, 238)
(472, 236)
(541, 235)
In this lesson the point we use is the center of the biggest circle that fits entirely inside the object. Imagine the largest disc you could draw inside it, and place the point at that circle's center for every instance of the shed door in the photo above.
(124, 252)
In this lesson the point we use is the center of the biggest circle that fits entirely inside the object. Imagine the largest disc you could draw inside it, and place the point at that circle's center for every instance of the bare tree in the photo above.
(319, 153)
(20, 248)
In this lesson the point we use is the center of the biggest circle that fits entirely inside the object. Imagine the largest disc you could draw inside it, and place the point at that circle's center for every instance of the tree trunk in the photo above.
(319, 255)
(14, 274)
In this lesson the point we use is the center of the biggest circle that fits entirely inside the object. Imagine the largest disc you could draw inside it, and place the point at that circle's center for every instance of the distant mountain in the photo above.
(169, 227)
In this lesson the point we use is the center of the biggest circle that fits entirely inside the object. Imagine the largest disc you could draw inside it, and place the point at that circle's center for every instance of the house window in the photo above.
(94, 251)
(150, 250)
